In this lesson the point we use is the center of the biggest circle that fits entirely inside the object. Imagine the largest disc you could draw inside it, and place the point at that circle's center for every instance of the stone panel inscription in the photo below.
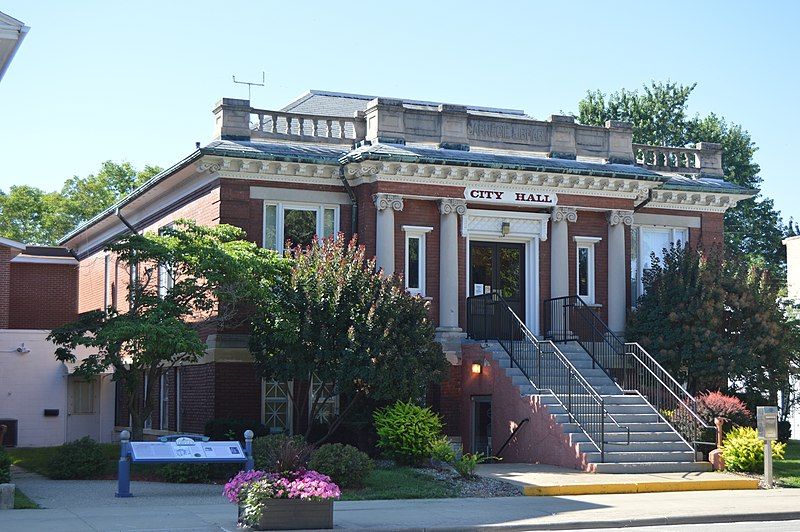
(494, 131)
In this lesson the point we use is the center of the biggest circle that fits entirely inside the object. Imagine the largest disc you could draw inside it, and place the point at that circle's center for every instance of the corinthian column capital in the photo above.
(616, 217)
(388, 201)
(564, 214)
(452, 205)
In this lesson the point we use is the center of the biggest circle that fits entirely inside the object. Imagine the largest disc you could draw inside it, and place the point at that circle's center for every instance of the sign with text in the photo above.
(511, 197)
(189, 451)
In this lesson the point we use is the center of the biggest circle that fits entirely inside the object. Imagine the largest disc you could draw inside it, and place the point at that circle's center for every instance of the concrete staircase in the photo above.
(654, 445)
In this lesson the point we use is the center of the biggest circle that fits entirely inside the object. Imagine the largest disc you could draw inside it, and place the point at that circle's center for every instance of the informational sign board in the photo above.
(767, 419)
(187, 450)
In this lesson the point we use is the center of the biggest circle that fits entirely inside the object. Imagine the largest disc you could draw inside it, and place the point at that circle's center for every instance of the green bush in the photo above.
(407, 432)
(467, 463)
(279, 453)
(79, 459)
(232, 429)
(442, 450)
(743, 451)
(186, 473)
(5, 467)
(347, 466)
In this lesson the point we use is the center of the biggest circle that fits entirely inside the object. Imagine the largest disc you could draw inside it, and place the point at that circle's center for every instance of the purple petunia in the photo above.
(309, 485)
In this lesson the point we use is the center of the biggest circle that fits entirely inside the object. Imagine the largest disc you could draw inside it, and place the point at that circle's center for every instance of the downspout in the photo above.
(643, 204)
(118, 213)
(353, 201)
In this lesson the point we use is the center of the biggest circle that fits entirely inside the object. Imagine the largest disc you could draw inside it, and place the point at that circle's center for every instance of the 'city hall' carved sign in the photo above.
(512, 197)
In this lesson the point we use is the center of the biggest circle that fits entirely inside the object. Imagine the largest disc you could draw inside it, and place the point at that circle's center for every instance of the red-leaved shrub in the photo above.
(717, 404)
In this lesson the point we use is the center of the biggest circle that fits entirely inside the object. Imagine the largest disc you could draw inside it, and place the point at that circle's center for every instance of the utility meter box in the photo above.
(767, 418)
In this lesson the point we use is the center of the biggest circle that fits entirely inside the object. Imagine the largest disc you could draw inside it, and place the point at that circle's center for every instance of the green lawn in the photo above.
(22, 502)
(394, 483)
(399, 483)
(787, 471)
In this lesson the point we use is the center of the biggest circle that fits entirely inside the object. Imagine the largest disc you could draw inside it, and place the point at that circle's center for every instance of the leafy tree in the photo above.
(710, 322)
(33, 216)
(215, 274)
(349, 327)
(658, 113)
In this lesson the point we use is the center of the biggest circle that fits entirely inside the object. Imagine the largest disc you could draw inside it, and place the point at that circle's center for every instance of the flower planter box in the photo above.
(295, 514)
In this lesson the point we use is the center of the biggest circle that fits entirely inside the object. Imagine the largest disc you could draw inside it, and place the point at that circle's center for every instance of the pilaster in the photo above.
(386, 204)
(617, 280)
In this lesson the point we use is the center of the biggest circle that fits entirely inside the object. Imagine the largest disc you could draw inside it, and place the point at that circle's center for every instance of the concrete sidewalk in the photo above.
(538, 479)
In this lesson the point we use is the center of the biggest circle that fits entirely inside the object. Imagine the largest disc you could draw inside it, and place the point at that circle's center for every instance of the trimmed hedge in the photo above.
(5, 467)
(347, 466)
(79, 459)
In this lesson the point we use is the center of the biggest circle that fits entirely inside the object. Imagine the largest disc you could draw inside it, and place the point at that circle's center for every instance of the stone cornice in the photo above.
(452, 205)
(620, 187)
(565, 214)
(694, 201)
(293, 172)
(388, 201)
(616, 217)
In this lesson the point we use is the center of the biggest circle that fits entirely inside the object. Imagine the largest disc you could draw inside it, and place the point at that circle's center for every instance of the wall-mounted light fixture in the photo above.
(477, 368)
(505, 228)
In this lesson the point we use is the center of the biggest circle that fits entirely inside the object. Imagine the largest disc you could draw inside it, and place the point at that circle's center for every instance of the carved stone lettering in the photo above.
(506, 132)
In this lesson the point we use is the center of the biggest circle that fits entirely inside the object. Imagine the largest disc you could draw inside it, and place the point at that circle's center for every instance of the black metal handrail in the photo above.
(628, 364)
(544, 365)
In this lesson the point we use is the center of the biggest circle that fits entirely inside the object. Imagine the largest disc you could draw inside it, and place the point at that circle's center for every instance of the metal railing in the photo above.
(570, 319)
(490, 318)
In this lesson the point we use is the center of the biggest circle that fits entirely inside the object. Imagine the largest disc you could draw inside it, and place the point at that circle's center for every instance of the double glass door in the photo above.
(499, 267)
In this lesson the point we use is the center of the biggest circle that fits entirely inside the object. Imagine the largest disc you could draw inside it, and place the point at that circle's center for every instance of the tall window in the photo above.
(415, 258)
(163, 403)
(166, 276)
(328, 405)
(298, 223)
(277, 406)
(646, 241)
(585, 267)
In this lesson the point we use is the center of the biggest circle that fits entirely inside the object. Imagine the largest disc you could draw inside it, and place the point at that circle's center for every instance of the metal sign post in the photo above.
(767, 419)
(180, 449)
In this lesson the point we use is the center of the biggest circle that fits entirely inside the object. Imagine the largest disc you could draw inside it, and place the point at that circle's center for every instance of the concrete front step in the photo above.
(620, 457)
(651, 467)
(635, 437)
(556, 408)
(633, 427)
(636, 447)
(622, 419)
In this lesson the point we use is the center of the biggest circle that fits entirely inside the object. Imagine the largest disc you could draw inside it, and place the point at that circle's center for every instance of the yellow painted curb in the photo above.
(643, 487)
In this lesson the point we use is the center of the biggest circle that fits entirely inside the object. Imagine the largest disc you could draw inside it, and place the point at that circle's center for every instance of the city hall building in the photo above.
(461, 201)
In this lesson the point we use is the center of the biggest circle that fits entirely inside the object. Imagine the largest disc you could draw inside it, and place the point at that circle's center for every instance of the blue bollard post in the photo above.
(124, 468)
(249, 464)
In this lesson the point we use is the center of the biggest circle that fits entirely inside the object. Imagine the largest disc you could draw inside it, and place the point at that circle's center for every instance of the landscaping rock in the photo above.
(476, 486)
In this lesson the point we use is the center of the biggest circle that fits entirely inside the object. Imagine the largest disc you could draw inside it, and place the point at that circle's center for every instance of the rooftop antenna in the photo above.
(251, 84)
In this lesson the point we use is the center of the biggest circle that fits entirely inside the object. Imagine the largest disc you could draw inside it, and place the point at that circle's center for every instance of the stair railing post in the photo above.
(564, 324)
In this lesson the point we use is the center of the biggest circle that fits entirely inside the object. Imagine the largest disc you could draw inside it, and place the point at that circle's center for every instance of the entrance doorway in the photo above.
(499, 267)
(482, 424)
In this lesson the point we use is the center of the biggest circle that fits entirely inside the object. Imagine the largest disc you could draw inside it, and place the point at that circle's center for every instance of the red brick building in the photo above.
(460, 200)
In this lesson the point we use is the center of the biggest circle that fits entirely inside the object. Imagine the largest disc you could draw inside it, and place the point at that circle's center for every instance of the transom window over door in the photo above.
(298, 223)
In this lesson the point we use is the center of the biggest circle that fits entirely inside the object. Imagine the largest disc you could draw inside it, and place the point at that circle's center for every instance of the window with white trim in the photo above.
(647, 240)
(277, 407)
(328, 402)
(298, 223)
(585, 267)
(415, 258)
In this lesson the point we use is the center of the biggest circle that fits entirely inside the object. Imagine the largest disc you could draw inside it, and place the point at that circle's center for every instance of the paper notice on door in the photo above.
(478, 289)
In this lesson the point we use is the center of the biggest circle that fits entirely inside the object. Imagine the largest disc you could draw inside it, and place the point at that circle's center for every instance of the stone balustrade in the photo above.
(460, 128)
(706, 158)
(278, 124)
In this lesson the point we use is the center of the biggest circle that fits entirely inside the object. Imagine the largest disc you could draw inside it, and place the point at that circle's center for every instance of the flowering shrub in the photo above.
(742, 450)
(717, 404)
(252, 489)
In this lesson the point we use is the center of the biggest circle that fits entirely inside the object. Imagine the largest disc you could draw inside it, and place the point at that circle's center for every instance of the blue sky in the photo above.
(136, 81)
